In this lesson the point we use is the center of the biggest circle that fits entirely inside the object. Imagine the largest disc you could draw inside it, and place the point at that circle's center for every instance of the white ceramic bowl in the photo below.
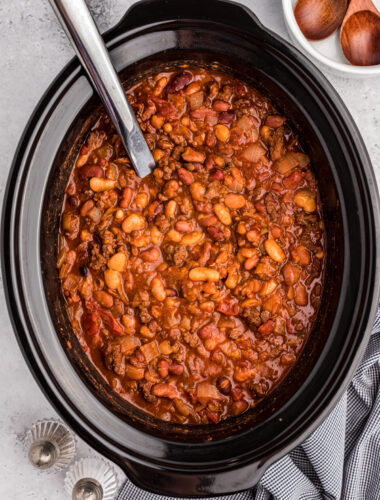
(328, 51)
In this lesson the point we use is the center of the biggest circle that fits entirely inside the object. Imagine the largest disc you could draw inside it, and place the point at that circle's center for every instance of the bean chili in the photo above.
(193, 290)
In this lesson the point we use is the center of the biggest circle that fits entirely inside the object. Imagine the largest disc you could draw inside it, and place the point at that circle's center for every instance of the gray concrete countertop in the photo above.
(33, 50)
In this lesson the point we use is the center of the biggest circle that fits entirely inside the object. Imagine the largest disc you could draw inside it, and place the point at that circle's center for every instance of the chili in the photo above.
(193, 290)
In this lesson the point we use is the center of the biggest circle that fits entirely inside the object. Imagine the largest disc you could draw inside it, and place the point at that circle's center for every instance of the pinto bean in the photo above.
(142, 200)
(158, 289)
(223, 214)
(305, 199)
(112, 279)
(191, 155)
(132, 223)
(234, 201)
(222, 133)
(251, 262)
(104, 299)
(171, 208)
(300, 295)
(99, 184)
(118, 262)
(197, 191)
(171, 188)
(174, 235)
(192, 238)
(274, 250)
(204, 274)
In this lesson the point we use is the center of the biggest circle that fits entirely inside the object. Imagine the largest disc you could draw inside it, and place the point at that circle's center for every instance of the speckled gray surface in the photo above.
(33, 50)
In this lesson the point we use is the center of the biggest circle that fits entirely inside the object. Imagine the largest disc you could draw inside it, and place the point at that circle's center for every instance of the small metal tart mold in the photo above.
(49, 445)
(91, 479)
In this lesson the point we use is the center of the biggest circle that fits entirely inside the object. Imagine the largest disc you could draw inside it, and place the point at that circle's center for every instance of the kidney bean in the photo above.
(86, 207)
(229, 306)
(217, 175)
(185, 176)
(226, 117)
(154, 209)
(215, 233)
(224, 385)
(274, 121)
(220, 105)
(178, 82)
(207, 331)
(163, 368)
(89, 171)
(151, 255)
(209, 220)
(291, 274)
(176, 369)
(184, 226)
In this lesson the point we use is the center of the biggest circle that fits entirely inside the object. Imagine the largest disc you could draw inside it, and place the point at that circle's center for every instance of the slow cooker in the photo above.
(232, 455)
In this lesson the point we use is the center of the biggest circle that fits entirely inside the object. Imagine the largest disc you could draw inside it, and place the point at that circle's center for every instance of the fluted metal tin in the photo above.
(49, 445)
(91, 479)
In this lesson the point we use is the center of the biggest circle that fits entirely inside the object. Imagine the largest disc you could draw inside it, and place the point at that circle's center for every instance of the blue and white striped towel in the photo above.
(340, 460)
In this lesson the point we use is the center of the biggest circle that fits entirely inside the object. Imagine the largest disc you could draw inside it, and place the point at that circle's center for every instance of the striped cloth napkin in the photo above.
(340, 460)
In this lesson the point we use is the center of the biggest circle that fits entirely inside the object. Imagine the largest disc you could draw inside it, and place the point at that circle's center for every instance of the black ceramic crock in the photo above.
(233, 455)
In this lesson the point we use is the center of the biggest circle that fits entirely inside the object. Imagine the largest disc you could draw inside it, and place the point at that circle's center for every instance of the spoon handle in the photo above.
(81, 29)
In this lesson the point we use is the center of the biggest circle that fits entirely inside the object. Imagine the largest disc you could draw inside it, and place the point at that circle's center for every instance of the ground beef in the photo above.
(114, 359)
(162, 223)
(272, 205)
(97, 260)
(144, 315)
(277, 147)
(175, 254)
(252, 317)
(305, 219)
(144, 388)
(105, 199)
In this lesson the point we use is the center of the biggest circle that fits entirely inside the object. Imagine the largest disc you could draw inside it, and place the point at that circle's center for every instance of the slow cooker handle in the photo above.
(203, 484)
(148, 12)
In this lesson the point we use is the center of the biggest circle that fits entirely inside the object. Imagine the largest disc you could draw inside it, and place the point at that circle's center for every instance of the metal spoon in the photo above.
(360, 33)
(319, 19)
(81, 29)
